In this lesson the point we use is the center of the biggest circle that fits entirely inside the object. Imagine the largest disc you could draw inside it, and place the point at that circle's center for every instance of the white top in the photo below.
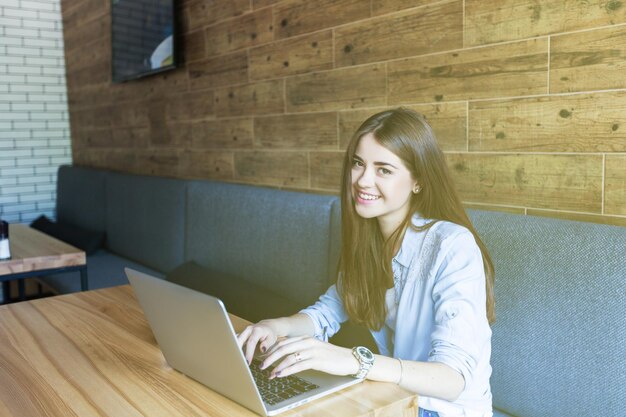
(439, 291)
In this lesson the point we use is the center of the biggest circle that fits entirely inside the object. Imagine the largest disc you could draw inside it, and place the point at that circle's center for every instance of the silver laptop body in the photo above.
(195, 334)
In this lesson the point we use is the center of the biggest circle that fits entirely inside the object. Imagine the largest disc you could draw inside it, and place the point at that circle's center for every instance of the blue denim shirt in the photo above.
(439, 284)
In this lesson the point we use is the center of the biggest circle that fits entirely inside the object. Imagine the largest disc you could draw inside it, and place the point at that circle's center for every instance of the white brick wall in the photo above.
(34, 121)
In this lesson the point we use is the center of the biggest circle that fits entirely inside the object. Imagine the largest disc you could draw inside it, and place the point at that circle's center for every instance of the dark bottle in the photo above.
(5, 249)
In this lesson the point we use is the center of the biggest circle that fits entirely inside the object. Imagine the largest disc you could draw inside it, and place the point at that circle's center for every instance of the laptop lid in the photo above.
(195, 334)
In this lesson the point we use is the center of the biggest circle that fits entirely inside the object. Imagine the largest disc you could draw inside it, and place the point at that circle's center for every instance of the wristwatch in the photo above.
(366, 360)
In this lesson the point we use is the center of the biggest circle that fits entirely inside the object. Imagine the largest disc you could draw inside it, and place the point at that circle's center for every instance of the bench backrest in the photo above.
(558, 342)
(283, 241)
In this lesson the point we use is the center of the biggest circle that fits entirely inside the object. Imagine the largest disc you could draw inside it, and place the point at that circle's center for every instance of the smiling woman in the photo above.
(412, 269)
(381, 185)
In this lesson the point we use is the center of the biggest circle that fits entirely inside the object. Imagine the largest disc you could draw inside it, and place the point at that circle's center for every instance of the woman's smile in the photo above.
(381, 184)
(366, 198)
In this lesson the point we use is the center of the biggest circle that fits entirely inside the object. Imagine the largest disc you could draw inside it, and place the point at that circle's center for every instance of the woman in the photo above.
(412, 269)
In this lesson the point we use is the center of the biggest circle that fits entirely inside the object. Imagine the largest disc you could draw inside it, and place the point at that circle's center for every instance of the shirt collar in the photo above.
(407, 248)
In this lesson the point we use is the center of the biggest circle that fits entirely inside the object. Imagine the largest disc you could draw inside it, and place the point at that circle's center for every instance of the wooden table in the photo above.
(93, 354)
(34, 253)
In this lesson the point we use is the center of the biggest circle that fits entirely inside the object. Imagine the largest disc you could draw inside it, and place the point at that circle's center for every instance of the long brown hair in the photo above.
(365, 263)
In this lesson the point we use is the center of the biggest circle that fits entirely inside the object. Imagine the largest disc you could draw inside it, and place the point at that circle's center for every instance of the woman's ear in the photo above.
(416, 188)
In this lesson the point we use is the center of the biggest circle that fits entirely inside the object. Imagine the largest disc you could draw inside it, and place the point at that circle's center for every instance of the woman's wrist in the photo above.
(296, 325)
(388, 369)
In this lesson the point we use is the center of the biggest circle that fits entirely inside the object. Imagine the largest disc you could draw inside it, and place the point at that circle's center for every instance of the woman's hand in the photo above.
(304, 352)
(264, 333)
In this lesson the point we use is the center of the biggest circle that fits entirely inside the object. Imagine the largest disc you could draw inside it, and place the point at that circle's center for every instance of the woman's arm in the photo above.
(431, 379)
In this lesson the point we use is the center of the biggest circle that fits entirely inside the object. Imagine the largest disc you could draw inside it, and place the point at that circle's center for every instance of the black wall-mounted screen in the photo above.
(142, 38)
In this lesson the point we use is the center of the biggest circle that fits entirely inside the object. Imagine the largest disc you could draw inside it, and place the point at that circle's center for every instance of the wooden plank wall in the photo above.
(527, 97)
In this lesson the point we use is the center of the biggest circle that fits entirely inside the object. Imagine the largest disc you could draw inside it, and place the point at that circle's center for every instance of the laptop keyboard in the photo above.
(277, 390)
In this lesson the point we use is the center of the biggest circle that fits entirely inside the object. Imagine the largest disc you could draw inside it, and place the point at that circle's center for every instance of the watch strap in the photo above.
(364, 364)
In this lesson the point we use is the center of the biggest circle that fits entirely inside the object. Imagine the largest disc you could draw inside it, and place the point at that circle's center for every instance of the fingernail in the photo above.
(263, 349)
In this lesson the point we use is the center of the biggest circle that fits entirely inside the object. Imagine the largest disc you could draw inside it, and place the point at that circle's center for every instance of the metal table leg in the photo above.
(84, 284)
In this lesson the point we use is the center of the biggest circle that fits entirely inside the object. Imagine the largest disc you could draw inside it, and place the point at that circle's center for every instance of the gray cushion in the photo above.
(84, 239)
(254, 303)
(558, 343)
(81, 198)
(278, 240)
(498, 413)
(241, 298)
(145, 219)
(104, 269)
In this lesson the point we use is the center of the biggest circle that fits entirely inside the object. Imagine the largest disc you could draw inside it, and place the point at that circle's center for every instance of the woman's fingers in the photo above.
(260, 334)
(255, 336)
(292, 364)
(243, 336)
(284, 348)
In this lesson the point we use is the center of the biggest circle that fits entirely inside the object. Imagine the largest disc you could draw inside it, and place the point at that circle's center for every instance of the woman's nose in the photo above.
(366, 178)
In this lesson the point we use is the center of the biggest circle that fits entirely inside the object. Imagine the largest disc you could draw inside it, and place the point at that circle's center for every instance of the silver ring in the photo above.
(297, 356)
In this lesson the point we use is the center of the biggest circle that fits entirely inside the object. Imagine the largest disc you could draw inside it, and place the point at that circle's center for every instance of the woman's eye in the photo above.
(385, 171)
(357, 163)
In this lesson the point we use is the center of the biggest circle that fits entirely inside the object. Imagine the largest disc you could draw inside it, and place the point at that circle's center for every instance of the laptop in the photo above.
(196, 337)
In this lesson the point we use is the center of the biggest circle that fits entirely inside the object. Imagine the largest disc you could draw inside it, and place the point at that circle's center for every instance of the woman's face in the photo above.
(382, 186)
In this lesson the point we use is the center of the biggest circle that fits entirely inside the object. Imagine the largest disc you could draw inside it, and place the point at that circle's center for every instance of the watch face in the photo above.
(365, 353)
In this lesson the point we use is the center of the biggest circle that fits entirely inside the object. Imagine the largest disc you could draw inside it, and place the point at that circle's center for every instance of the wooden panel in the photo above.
(326, 170)
(418, 31)
(194, 47)
(242, 32)
(257, 4)
(259, 98)
(115, 160)
(169, 82)
(304, 131)
(561, 182)
(89, 97)
(387, 6)
(363, 86)
(173, 134)
(448, 121)
(119, 160)
(219, 71)
(594, 60)
(94, 117)
(503, 70)
(223, 133)
(74, 40)
(204, 12)
(295, 17)
(162, 162)
(189, 105)
(580, 217)
(129, 114)
(94, 138)
(289, 169)
(490, 207)
(129, 137)
(90, 75)
(577, 123)
(85, 54)
(142, 88)
(615, 185)
(207, 164)
(84, 13)
(292, 56)
(503, 20)
(105, 138)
